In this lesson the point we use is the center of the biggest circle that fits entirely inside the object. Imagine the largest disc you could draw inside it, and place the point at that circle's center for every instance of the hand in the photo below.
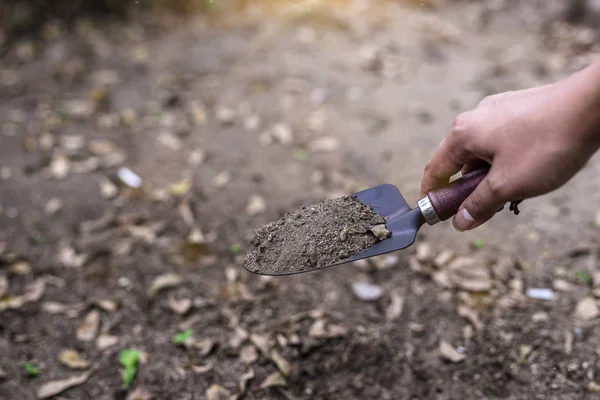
(535, 141)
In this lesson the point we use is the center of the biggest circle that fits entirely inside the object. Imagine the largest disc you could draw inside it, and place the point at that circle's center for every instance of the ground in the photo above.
(280, 111)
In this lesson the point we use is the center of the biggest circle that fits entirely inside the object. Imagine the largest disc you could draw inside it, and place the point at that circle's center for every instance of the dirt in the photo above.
(314, 237)
(180, 105)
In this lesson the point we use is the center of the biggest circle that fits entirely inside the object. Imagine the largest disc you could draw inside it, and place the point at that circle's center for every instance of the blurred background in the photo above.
(142, 143)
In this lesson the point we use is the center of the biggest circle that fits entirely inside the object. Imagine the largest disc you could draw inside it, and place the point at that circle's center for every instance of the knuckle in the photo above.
(498, 188)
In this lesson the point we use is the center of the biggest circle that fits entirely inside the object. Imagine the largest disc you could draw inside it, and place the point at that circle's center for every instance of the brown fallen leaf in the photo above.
(450, 353)
(164, 282)
(72, 359)
(282, 365)
(3, 285)
(262, 343)
(89, 329)
(204, 346)
(54, 388)
(180, 306)
(394, 310)
(275, 379)
(202, 369)
(216, 392)
(140, 394)
(105, 341)
(244, 380)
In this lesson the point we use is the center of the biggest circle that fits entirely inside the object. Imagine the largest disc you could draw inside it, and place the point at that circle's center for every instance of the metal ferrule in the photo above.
(427, 211)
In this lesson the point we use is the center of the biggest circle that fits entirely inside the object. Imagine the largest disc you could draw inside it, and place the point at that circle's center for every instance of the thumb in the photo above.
(479, 207)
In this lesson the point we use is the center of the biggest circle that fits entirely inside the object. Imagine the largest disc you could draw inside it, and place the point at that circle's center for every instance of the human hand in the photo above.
(535, 140)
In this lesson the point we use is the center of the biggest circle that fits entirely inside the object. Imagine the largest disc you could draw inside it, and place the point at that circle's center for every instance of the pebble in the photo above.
(587, 309)
(367, 291)
(282, 133)
(221, 180)
(129, 178)
(450, 353)
(424, 252)
(225, 115)
(5, 173)
(325, 144)
(252, 123)
(256, 205)
(53, 206)
(108, 190)
(59, 167)
(540, 293)
(197, 157)
(100, 147)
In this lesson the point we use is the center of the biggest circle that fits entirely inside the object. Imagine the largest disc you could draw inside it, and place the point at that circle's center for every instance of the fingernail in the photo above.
(463, 221)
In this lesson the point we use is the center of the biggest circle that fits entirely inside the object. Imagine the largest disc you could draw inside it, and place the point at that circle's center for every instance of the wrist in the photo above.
(584, 88)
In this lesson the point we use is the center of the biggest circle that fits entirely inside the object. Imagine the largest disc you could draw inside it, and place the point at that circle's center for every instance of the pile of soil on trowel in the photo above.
(315, 236)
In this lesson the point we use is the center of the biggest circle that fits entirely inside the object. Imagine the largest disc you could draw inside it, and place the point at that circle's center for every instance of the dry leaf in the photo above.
(395, 308)
(181, 306)
(203, 346)
(53, 307)
(139, 394)
(105, 341)
(216, 392)
(34, 291)
(72, 359)
(244, 380)
(275, 379)
(53, 388)
(450, 353)
(319, 329)
(284, 367)
(89, 329)
(470, 315)
(108, 305)
(3, 285)
(248, 354)
(163, 282)
(262, 343)
(202, 369)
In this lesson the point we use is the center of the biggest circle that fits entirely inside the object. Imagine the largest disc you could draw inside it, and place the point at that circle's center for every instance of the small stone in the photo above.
(252, 123)
(424, 253)
(216, 392)
(197, 157)
(450, 353)
(248, 354)
(5, 173)
(100, 147)
(443, 258)
(325, 144)
(256, 205)
(59, 167)
(181, 306)
(380, 232)
(20, 268)
(108, 190)
(221, 180)
(540, 293)
(129, 178)
(169, 141)
(129, 116)
(139, 394)
(225, 115)
(53, 206)
(587, 309)
(198, 113)
(367, 291)
(563, 285)
(283, 134)
(72, 143)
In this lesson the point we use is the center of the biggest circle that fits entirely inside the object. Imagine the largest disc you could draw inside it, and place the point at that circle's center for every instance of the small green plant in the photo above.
(129, 360)
(584, 278)
(30, 369)
(181, 337)
(478, 244)
(235, 249)
(300, 154)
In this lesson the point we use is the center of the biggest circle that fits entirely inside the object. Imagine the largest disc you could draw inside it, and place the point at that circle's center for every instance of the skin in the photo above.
(534, 140)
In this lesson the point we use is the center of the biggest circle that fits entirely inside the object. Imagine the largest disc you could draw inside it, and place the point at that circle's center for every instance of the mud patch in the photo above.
(315, 236)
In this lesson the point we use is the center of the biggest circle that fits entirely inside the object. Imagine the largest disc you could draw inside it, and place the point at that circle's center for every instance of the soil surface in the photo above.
(227, 125)
(314, 237)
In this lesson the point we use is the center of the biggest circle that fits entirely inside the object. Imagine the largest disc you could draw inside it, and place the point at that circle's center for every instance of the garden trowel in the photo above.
(403, 221)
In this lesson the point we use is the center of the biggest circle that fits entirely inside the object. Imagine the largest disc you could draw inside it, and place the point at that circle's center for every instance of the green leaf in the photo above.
(478, 244)
(181, 337)
(235, 249)
(584, 278)
(300, 154)
(129, 359)
(30, 369)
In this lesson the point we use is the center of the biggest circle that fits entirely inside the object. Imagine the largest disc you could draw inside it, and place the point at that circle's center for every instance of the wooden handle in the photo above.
(445, 201)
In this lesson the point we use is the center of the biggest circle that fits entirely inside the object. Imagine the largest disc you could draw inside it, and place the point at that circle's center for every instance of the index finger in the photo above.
(448, 159)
